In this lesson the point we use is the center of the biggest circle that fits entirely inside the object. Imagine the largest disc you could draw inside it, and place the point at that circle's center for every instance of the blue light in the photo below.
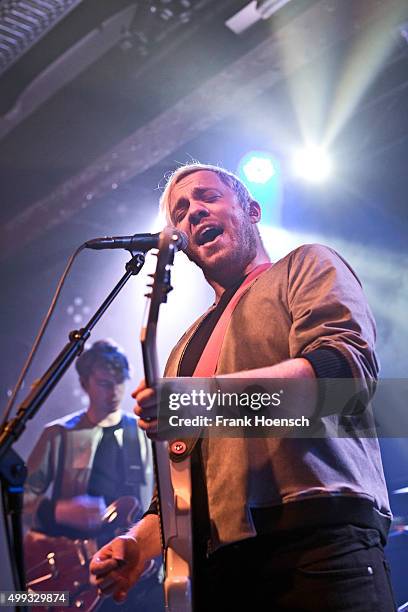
(260, 172)
(259, 169)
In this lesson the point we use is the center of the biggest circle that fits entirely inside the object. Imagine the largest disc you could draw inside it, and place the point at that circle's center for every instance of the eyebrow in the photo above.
(201, 191)
(198, 192)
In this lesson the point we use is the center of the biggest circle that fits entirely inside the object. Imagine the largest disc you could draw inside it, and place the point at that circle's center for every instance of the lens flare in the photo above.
(312, 164)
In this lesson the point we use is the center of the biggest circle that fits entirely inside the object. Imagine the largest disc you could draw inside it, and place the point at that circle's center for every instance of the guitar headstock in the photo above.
(170, 241)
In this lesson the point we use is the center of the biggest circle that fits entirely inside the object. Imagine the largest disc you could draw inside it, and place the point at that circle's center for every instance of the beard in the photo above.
(228, 263)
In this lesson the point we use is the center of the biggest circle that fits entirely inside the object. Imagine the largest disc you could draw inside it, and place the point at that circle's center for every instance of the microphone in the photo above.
(137, 242)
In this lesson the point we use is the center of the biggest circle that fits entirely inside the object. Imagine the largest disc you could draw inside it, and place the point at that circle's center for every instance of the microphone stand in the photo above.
(12, 468)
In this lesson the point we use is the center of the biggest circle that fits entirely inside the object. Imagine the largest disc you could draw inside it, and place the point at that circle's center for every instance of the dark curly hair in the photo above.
(104, 354)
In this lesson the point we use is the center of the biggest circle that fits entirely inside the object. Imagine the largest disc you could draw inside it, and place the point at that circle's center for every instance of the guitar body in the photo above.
(173, 479)
(175, 511)
(62, 564)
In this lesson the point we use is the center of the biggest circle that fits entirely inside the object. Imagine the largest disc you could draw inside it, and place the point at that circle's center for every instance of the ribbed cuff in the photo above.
(328, 362)
(335, 395)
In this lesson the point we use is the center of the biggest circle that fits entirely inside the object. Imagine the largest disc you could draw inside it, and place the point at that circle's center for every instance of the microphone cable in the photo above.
(39, 337)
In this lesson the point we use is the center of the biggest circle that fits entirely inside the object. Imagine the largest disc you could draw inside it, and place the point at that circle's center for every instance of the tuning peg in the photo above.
(148, 295)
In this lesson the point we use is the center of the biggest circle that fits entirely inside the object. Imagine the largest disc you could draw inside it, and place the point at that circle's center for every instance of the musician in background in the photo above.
(283, 524)
(86, 460)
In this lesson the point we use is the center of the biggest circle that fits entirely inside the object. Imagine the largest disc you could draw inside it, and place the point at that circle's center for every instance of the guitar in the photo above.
(62, 564)
(173, 479)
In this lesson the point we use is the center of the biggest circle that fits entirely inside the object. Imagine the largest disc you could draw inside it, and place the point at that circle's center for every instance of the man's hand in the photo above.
(117, 566)
(82, 512)
(146, 409)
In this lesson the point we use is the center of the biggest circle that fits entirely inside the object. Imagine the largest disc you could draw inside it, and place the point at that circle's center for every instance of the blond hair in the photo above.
(227, 177)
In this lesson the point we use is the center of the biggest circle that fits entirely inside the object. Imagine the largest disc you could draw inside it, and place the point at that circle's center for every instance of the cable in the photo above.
(40, 334)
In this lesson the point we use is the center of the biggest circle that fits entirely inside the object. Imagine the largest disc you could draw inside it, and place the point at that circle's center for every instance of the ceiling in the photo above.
(112, 89)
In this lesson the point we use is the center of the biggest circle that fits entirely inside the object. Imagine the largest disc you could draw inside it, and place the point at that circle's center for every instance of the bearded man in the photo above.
(283, 524)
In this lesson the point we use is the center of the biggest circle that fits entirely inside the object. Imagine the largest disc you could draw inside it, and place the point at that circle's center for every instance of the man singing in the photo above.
(282, 524)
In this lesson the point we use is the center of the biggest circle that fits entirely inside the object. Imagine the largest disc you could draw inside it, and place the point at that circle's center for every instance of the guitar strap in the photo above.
(134, 472)
(61, 440)
(207, 364)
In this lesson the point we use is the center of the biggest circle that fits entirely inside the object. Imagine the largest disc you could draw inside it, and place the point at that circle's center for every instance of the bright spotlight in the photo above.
(312, 164)
(258, 169)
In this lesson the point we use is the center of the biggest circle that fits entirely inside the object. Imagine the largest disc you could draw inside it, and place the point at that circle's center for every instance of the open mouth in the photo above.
(208, 235)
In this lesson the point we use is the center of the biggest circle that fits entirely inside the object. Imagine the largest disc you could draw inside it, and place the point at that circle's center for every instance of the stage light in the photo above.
(260, 172)
(258, 169)
(312, 164)
(253, 12)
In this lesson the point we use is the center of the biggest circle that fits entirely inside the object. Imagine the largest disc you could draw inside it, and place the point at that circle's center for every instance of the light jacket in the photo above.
(309, 304)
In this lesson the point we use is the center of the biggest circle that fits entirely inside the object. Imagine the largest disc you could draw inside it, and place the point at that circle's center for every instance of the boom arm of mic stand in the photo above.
(11, 465)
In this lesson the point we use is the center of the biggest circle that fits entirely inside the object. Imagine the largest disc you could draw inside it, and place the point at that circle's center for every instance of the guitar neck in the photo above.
(150, 359)
(174, 494)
